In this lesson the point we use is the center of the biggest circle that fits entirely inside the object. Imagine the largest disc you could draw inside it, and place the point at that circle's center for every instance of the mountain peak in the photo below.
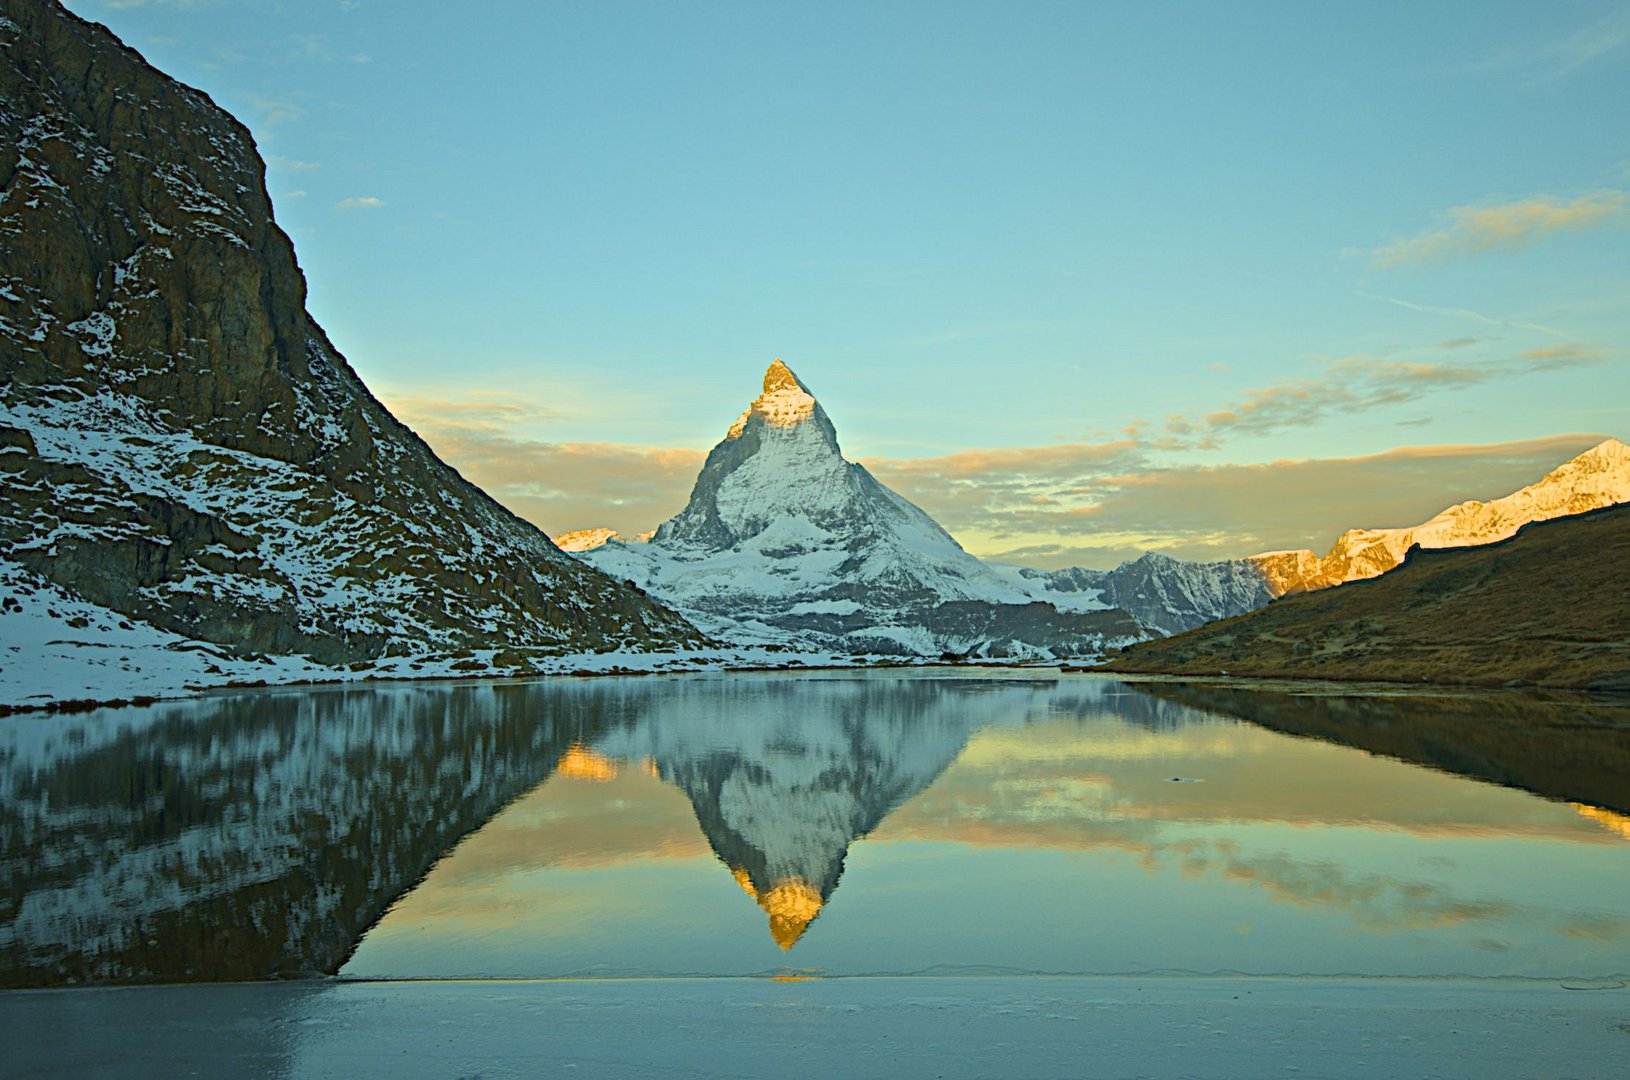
(1610, 453)
(780, 377)
(1605, 466)
(785, 402)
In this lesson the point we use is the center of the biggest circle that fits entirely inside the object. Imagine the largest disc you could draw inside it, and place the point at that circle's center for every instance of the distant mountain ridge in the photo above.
(182, 447)
(1166, 594)
(1173, 595)
(783, 541)
(1548, 606)
(1596, 478)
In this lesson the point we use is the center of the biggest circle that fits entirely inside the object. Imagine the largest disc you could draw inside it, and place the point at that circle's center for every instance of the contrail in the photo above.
(1465, 313)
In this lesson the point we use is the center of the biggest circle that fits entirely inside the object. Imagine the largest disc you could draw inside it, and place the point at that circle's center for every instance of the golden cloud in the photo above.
(1507, 227)
(555, 485)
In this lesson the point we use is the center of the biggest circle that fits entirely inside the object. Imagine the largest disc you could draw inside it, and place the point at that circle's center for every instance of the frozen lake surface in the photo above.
(949, 1027)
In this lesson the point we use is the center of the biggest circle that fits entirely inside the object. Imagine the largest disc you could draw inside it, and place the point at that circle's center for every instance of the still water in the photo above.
(835, 823)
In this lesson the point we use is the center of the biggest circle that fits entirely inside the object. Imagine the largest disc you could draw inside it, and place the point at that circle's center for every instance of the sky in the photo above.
(1080, 279)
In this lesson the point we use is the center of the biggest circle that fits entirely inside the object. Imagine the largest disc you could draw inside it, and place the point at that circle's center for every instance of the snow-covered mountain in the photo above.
(588, 539)
(785, 542)
(185, 456)
(1165, 594)
(1172, 595)
(1596, 478)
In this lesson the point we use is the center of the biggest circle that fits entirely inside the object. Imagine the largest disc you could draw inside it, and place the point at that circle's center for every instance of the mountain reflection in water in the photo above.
(262, 834)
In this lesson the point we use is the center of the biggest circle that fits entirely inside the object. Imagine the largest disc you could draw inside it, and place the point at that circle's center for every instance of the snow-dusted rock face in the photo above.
(1165, 594)
(181, 445)
(1596, 478)
(784, 541)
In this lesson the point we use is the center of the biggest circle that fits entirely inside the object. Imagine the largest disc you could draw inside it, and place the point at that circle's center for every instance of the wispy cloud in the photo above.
(1556, 357)
(276, 111)
(1606, 37)
(1574, 50)
(1503, 227)
(1349, 385)
(360, 202)
(494, 411)
(317, 47)
(556, 485)
(290, 164)
(1356, 384)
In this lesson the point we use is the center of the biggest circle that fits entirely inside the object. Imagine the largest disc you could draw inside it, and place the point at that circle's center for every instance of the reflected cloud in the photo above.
(581, 763)
(1377, 903)
(555, 485)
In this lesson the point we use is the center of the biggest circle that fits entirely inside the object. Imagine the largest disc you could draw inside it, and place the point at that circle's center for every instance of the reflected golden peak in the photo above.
(1607, 819)
(745, 881)
(793, 904)
(581, 763)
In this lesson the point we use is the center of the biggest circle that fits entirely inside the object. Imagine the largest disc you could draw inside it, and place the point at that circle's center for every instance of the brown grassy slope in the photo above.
(1550, 606)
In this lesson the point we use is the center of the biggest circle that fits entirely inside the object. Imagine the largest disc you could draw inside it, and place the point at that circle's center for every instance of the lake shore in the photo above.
(1112, 1026)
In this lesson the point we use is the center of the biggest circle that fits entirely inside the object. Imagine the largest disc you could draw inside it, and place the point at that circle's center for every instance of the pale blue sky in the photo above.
(967, 226)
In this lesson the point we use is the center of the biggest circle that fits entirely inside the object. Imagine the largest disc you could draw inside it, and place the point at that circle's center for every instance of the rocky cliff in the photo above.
(182, 445)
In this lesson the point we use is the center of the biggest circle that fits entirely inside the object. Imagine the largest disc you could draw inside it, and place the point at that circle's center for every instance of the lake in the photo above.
(932, 822)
